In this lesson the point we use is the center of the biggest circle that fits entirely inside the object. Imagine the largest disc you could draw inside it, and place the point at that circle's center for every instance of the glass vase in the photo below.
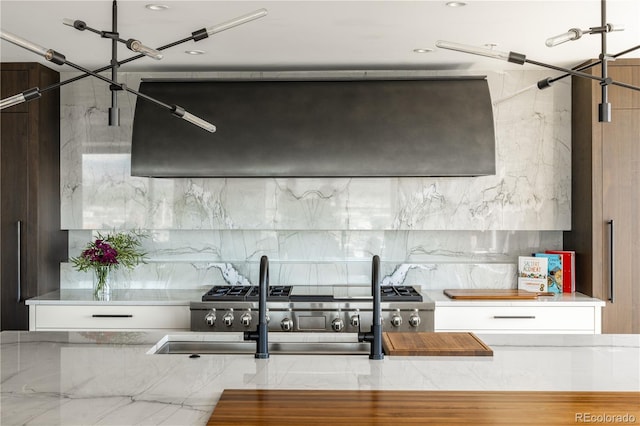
(102, 283)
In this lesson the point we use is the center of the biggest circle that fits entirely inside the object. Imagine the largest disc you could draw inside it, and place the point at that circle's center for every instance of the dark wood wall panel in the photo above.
(30, 189)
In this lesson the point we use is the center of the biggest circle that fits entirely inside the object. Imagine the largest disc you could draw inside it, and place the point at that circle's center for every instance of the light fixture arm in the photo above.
(59, 59)
(519, 58)
(132, 44)
(195, 36)
(547, 82)
(603, 81)
(604, 108)
(605, 28)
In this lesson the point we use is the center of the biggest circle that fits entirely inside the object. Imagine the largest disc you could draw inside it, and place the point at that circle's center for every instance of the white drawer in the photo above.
(516, 319)
(120, 317)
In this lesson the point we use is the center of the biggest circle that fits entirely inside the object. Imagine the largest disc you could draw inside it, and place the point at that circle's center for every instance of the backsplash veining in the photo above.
(431, 232)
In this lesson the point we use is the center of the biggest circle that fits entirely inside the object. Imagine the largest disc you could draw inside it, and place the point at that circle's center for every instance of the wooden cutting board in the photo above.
(398, 407)
(434, 344)
(491, 294)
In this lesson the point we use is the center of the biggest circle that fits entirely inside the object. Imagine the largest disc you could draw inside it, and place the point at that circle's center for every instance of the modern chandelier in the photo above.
(134, 45)
(604, 108)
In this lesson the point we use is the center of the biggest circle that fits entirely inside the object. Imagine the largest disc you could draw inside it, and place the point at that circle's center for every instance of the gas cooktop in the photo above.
(311, 294)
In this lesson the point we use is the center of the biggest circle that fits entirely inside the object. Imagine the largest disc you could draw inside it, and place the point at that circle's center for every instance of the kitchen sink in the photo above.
(287, 344)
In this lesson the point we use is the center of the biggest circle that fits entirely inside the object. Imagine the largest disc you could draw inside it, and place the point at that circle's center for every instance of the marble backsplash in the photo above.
(431, 232)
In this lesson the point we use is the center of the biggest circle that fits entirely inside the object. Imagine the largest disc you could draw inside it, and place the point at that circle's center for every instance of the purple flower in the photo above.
(102, 253)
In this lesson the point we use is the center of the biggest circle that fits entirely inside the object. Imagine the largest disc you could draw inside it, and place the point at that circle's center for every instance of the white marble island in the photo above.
(108, 378)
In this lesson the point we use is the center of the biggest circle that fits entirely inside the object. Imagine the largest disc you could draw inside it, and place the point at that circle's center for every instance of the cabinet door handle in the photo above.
(611, 254)
(514, 317)
(19, 247)
(112, 316)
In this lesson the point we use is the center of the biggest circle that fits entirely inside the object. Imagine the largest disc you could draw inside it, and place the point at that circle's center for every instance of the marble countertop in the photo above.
(120, 297)
(563, 299)
(183, 297)
(108, 378)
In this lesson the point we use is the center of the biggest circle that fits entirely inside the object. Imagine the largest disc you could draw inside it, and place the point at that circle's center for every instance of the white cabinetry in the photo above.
(96, 317)
(73, 310)
(569, 314)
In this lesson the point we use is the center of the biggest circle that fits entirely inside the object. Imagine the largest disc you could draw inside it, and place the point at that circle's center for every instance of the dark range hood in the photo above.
(328, 128)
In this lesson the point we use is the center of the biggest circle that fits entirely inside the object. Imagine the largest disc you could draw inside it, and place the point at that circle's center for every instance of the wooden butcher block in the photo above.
(397, 407)
(492, 294)
(434, 344)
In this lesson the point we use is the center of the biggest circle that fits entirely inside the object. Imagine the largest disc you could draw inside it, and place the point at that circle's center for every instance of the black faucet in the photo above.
(375, 335)
(261, 334)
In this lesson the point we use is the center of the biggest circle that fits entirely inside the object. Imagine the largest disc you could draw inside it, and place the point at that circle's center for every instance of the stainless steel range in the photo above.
(312, 309)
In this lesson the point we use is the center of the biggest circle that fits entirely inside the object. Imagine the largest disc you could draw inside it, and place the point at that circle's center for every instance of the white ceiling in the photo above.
(321, 35)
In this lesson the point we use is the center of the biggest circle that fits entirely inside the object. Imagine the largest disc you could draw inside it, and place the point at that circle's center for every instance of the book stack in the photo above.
(550, 271)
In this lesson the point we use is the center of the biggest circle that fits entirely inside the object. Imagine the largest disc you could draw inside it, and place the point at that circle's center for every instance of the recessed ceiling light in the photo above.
(423, 50)
(157, 7)
(195, 52)
(455, 3)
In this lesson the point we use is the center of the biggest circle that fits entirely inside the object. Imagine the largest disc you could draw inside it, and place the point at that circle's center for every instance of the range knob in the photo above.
(227, 319)
(245, 319)
(210, 318)
(286, 324)
(414, 320)
(337, 324)
(396, 320)
(355, 320)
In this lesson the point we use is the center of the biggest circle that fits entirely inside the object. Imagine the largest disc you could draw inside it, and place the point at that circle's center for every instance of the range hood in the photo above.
(313, 128)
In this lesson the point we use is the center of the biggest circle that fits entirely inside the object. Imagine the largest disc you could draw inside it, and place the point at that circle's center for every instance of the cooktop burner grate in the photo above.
(233, 293)
(276, 293)
(402, 293)
(244, 292)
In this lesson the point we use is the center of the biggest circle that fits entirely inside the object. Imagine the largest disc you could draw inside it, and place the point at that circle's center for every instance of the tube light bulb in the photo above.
(11, 101)
(199, 122)
(237, 21)
(49, 54)
(490, 53)
(25, 44)
(572, 34)
(178, 111)
(614, 27)
(138, 47)
(27, 95)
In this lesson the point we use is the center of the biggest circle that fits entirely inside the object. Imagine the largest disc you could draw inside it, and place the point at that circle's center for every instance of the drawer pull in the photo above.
(19, 248)
(112, 316)
(514, 316)
(611, 263)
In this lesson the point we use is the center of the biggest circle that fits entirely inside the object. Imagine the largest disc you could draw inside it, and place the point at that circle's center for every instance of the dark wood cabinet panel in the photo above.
(605, 230)
(620, 97)
(14, 208)
(32, 244)
(13, 82)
